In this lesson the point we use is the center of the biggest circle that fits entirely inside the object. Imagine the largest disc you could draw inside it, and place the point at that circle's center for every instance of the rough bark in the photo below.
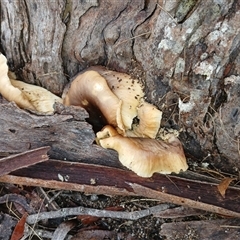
(22, 160)
(183, 61)
(68, 134)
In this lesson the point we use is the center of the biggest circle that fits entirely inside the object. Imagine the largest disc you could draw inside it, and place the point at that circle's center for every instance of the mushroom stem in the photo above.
(145, 156)
(127, 89)
(90, 91)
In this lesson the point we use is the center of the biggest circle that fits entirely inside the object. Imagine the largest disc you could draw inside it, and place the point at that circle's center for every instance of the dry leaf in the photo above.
(19, 229)
(223, 185)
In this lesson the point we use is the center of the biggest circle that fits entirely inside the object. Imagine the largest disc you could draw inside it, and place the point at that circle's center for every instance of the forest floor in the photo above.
(90, 227)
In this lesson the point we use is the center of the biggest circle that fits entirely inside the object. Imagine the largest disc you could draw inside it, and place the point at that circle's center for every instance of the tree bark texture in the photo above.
(186, 53)
(67, 133)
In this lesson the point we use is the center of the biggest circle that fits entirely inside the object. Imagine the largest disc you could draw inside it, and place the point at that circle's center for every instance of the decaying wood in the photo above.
(68, 134)
(213, 229)
(21, 160)
(97, 179)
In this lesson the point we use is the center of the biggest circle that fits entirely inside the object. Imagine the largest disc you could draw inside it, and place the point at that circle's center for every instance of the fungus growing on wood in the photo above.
(149, 121)
(120, 100)
(126, 88)
(145, 156)
(41, 99)
(25, 95)
(91, 91)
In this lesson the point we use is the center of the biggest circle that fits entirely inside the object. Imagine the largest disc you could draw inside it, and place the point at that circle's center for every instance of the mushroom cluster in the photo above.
(25, 95)
(131, 124)
(117, 99)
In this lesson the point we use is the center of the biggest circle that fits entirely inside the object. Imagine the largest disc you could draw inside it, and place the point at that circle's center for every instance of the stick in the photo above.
(64, 212)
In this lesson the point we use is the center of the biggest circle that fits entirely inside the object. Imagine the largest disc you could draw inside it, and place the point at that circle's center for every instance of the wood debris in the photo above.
(22, 160)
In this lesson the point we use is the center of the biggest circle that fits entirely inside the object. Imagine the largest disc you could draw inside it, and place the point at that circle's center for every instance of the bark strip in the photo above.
(97, 179)
(21, 160)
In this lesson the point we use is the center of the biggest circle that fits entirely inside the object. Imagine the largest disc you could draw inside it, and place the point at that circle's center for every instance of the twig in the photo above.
(38, 232)
(17, 199)
(62, 230)
(49, 202)
(229, 226)
(64, 212)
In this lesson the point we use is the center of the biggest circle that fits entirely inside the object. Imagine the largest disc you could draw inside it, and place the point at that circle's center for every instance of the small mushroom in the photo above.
(145, 156)
(25, 95)
(91, 91)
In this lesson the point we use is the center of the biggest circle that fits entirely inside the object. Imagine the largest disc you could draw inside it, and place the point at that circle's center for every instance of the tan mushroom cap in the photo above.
(127, 89)
(8, 91)
(90, 90)
(145, 156)
(149, 121)
(25, 95)
(130, 91)
(41, 99)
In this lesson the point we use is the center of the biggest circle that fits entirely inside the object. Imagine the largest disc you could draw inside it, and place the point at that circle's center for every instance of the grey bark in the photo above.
(182, 52)
(66, 132)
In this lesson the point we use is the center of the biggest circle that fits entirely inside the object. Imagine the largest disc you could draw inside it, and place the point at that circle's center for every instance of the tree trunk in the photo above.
(186, 53)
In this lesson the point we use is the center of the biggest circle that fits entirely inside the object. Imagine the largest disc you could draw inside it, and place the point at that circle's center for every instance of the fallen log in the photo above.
(72, 138)
(90, 178)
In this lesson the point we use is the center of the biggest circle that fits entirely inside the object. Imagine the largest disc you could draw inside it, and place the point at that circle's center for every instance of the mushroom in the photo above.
(7, 90)
(145, 156)
(130, 92)
(127, 89)
(41, 99)
(25, 95)
(149, 121)
(91, 91)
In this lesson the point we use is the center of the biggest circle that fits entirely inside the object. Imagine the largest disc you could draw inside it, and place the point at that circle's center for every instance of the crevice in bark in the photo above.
(108, 56)
(233, 9)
